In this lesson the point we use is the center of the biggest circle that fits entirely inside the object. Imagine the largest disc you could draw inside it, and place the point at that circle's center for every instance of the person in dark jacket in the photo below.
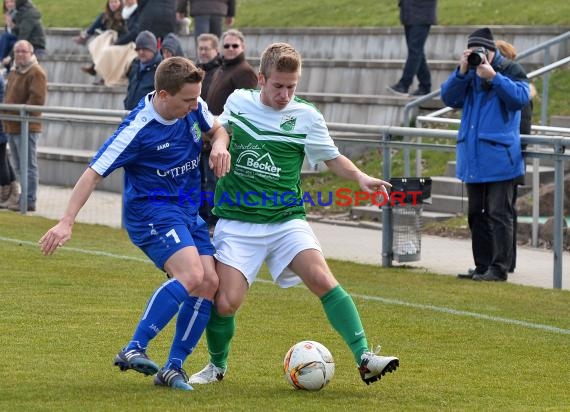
(158, 17)
(7, 39)
(28, 26)
(9, 187)
(509, 51)
(491, 91)
(417, 16)
(209, 60)
(143, 68)
(208, 15)
(130, 14)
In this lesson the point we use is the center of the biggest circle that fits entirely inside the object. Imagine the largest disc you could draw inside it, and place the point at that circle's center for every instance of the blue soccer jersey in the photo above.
(160, 159)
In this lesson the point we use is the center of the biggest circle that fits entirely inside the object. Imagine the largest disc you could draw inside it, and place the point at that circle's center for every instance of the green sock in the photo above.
(344, 318)
(219, 333)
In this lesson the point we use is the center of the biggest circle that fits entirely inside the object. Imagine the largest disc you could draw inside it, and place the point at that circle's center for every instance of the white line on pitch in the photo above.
(440, 309)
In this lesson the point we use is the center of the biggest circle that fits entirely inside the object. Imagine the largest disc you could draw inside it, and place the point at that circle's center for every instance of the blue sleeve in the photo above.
(454, 89)
(514, 93)
(118, 151)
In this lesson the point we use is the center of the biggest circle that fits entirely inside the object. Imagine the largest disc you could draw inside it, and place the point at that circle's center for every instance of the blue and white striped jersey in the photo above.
(160, 159)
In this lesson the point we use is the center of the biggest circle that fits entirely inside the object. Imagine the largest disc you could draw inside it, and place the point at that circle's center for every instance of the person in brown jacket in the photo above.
(234, 73)
(25, 84)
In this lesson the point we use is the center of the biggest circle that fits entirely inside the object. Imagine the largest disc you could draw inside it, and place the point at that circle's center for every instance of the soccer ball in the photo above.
(308, 365)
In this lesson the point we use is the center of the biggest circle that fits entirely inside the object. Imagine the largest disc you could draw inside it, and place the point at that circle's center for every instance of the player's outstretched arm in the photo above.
(343, 167)
(61, 233)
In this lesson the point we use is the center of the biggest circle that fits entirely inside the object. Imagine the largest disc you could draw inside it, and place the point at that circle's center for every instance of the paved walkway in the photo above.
(344, 242)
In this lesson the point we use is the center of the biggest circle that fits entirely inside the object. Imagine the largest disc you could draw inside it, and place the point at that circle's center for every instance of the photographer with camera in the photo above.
(491, 91)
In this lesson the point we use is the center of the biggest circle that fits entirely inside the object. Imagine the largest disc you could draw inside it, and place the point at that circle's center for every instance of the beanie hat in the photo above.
(482, 38)
(146, 40)
(172, 42)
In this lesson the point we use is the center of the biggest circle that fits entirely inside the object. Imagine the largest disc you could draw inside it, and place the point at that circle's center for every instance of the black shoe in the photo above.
(491, 276)
(420, 92)
(90, 69)
(470, 273)
(137, 360)
(173, 377)
(398, 90)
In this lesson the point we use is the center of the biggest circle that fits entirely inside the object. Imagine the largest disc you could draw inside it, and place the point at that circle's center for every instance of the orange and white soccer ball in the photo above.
(308, 365)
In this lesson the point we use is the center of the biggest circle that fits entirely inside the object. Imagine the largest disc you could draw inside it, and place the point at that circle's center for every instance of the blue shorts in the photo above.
(162, 238)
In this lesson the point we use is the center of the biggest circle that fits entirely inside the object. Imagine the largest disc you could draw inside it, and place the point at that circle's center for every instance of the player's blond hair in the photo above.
(173, 73)
(281, 57)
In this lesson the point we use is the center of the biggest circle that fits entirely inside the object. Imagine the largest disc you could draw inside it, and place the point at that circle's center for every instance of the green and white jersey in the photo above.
(268, 148)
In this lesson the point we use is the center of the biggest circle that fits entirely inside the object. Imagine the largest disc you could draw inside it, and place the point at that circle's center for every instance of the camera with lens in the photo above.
(477, 57)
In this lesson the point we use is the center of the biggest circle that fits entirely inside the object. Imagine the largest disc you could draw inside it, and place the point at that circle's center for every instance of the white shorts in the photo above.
(245, 246)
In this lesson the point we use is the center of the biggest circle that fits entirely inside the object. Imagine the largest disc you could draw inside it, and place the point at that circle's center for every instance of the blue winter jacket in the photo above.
(488, 141)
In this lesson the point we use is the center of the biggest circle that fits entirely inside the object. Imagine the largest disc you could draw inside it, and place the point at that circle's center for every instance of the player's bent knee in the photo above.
(208, 287)
(224, 307)
(190, 281)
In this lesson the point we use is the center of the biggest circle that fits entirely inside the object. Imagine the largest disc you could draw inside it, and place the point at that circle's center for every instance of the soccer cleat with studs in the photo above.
(173, 377)
(373, 366)
(137, 360)
(210, 374)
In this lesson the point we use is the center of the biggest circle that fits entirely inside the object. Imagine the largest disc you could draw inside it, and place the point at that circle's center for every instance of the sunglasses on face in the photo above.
(233, 46)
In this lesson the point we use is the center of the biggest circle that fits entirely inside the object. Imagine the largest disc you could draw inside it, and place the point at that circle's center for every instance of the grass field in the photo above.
(340, 13)
(462, 345)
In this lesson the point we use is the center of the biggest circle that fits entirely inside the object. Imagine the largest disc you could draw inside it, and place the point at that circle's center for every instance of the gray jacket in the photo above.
(418, 12)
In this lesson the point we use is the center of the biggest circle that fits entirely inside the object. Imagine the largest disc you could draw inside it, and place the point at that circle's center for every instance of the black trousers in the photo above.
(7, 174)
(490, 217)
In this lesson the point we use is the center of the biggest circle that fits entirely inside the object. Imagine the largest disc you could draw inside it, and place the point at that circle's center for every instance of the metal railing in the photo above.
(543, 47)
(552, 147)
(543, 71)
(555, 150)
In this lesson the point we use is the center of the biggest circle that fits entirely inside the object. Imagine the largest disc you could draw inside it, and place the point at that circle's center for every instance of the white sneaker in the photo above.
(373, 366)
(210, 374)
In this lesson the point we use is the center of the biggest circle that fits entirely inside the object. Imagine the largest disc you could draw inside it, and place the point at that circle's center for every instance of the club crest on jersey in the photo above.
(196, 132)
(288, 123)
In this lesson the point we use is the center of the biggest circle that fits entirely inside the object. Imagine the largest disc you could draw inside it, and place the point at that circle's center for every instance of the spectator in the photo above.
(109, 19)
(9, 187)
(169, 232)
(104, 31)
(171, 46)
(491, 91)
(28, 26)
(158, 17)
(509, 51)
(141, 73)
(234, 73)
(26, 84)
(209, 60)
(116, 59)
(7, 39)
(208, 15)
(272, 133)
(417, 16)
